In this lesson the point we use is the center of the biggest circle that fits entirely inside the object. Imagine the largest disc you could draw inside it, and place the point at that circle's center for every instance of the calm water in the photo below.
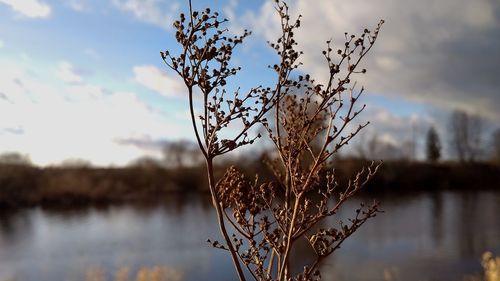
(420, 237)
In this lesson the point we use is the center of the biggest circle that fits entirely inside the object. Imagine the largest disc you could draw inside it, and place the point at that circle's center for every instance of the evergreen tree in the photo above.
(433, 145)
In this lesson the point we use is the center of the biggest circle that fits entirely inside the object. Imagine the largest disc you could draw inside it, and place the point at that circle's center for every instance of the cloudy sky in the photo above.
(84, 79)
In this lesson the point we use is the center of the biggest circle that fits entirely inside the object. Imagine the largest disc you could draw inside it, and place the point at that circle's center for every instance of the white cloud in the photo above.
(29, 8)
(77, 5)
(1, 44)
(76, 121)
(91, 53)
(230, 9)
(155, 79)
(150, 11)
(67, 73)
(264, 23)
(428, 51)
(18, 85)
(387, 63)
(84, 92)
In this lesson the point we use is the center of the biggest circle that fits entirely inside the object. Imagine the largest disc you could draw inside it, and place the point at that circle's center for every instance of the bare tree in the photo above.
(368, 146)
(465, 136)
(374, 148)
(433, 145)
(495, 146)
(180, 154)
(14, 158)
(146, 162)
(76, 163)
(269, 217)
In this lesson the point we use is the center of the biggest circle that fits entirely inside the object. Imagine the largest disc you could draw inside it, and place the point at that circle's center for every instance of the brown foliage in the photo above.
(27, 185)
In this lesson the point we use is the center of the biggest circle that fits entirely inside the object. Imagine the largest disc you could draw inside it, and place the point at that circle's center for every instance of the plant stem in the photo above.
(220, 218)
(286, 256)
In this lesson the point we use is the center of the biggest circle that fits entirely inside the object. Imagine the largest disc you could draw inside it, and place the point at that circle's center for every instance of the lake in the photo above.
(421, 236)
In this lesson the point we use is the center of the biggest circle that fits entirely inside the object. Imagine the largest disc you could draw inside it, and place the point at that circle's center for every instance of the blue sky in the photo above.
(84, 79)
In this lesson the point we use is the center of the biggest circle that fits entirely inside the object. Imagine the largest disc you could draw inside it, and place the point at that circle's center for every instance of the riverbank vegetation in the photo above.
(24, 185)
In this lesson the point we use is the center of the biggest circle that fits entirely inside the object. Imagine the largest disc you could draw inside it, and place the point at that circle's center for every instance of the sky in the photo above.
(83, 79)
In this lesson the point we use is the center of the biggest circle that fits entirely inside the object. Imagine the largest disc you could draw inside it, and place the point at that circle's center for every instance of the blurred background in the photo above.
(100, 178)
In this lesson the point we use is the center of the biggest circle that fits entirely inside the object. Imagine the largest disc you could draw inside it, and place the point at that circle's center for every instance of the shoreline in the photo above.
(25, 186)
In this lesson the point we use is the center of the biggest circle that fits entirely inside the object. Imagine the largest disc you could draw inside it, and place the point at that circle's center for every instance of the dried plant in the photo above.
(491, 267)
(156, 273)
(308, 125)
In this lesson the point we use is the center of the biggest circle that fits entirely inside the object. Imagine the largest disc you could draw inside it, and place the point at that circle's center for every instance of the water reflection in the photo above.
(422, 237)
(426, 236)
(436, 217)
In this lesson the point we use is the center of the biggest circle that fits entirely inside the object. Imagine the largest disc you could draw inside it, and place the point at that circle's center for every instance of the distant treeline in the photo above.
(27, 185)
(24, 185)
(405, 176)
